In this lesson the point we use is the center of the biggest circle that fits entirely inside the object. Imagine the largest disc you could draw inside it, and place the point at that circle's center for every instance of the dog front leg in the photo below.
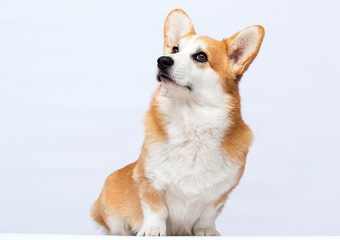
(155, 212)
(154, 221)
(205, 225)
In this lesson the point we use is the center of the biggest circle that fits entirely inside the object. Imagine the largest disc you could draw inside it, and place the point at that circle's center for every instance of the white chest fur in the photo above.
(191, 167)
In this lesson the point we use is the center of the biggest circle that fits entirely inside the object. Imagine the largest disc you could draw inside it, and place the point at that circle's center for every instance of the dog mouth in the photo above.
(164, 78)
(161, 77)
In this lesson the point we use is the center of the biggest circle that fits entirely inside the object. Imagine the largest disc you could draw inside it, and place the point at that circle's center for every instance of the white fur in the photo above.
(153, 222)
(117, 226)
(205, 225)
(191, 167)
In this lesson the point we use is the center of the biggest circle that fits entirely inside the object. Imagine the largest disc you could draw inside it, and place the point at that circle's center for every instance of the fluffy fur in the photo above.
(195, 144)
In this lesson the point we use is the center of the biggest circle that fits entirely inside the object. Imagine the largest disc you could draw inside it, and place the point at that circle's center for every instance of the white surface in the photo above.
(76, 78)
(90, 237)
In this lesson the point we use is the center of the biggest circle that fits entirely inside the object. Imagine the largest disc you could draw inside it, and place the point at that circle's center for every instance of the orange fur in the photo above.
(119, 195)
(153, 121)
(123, 189)
(238, 136)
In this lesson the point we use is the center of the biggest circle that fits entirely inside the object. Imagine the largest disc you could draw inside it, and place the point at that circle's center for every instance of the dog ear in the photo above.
(243, 48)
(177, 25)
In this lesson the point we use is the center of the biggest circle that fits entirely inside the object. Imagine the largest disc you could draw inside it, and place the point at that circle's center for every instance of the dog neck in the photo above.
(189, 119)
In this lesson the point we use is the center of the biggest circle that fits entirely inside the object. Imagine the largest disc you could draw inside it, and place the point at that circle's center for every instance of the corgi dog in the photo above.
(196, 142)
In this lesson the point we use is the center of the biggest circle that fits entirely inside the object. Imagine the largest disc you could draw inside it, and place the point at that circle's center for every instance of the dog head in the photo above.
(195, 65)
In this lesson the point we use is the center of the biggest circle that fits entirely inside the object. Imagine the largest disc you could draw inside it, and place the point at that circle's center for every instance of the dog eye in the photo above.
(175, 50)
(201, 57)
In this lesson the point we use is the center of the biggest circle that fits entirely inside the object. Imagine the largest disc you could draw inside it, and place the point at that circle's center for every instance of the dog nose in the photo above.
(164, 62)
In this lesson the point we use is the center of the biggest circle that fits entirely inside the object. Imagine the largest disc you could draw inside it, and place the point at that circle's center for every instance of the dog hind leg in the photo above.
(117, 226)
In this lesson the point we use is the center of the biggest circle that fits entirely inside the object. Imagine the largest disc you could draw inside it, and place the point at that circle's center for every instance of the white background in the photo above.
(76, 79)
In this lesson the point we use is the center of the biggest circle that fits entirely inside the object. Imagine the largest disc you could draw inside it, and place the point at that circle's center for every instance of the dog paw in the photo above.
(206, 232)
(152, 231)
